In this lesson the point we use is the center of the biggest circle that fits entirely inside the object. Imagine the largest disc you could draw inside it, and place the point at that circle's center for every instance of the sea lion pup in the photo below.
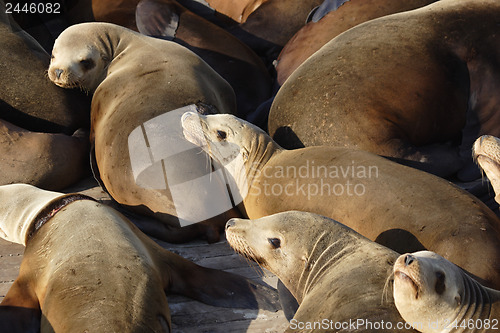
(37, 119)
(87, 268)
(337, 276)
(397, 206)
(326, 25)
(418, 86)
(486, 152)
(434, 295)
(137, 83)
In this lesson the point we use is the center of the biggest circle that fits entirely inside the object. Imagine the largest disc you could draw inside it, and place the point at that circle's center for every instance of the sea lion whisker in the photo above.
(387, 291)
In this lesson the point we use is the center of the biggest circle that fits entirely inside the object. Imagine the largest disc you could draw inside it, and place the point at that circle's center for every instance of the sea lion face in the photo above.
(271, 241)
(486, 152)
(76, 62)
(224, 137)
(428, 290)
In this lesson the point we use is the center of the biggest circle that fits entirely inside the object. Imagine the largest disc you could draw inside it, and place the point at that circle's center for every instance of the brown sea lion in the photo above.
(317, 33)
(137, 82)
(37, 119)
(337, 276)
(418, 86)
(397, 206)
(86, 268)
(434, 295)
(227, 55)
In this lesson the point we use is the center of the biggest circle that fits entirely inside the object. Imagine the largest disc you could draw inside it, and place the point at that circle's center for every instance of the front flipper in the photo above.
(215, 287)
(156, 19)
(20, 310)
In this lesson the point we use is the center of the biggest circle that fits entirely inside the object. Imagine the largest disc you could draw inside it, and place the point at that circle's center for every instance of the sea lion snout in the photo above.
(58, 73)
(409, 259)
(230, 223)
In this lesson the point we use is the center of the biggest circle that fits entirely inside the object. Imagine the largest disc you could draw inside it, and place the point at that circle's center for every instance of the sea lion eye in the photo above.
(87, 64)
(275, 242)
(221, 135)
(440, 285)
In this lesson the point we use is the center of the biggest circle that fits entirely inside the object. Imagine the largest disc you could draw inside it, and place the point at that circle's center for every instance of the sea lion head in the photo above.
(239, 146)
(486, 152)
(79, 59)
(290, 244)
(222, 136)
(428, 290)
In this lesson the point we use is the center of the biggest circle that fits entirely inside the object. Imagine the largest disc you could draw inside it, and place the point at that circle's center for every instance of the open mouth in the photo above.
(404, 277)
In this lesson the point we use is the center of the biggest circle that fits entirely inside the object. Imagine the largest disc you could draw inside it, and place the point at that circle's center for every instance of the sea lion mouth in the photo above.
(405, 277)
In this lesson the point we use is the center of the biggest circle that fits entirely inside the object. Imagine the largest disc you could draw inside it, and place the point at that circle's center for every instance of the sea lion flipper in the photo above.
(20, 310)
(218, 288)
(156, 19)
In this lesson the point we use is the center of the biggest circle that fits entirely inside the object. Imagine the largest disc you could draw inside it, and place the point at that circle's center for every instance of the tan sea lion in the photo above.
(87, 268)
(418, 86)
(337, 276)
(37, 119)
(397, 206)
(137, 82)
(486, 152)
(311, 37)
(434, 295)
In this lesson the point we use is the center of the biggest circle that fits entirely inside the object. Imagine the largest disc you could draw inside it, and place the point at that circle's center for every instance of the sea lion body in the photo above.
(88, 268)
(38, 119)
(137, 79)
(436, 296)
(311, 37)
(228, 56)
(395, 205)
(337, 276)
(402, 86)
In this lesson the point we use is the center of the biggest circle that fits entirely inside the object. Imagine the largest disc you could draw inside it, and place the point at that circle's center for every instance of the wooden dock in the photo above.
(188, 316)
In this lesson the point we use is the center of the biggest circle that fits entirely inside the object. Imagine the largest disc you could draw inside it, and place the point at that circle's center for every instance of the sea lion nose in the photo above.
(58, 73)
(230, 223)
(409, 259)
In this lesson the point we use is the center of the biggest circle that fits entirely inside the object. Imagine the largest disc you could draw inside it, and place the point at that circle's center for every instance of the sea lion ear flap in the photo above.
(156, 19)
(218, 288)
(458, 300)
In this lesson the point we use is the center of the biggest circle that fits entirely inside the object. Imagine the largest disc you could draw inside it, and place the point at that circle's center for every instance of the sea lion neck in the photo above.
(321, 258)
(260, 150)
(476, 303)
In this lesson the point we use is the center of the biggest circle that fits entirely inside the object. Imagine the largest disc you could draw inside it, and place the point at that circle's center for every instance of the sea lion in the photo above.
(434, 295)
(37, 119)
(264, 25)
(486, 152)
(137, 83)
(418, 86)
(88, 268)
(226, 54)
(326, 25)
(337, 276)
(397, 206)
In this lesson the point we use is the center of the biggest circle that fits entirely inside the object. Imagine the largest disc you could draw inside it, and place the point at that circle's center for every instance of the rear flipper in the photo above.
(218, 288)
